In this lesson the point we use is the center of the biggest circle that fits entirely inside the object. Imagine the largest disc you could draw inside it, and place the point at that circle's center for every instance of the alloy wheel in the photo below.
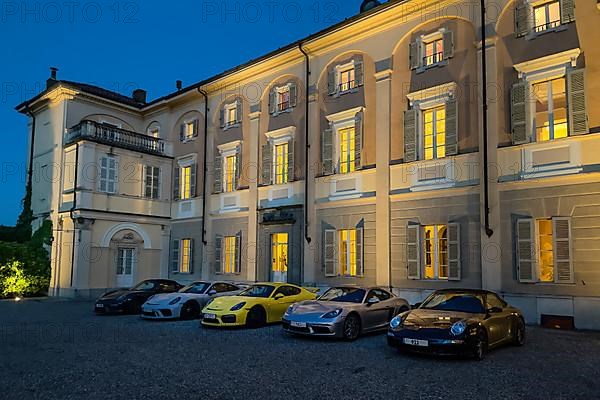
(351, 327)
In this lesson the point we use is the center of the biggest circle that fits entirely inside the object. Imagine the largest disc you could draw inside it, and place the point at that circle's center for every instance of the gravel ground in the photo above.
(57, 349)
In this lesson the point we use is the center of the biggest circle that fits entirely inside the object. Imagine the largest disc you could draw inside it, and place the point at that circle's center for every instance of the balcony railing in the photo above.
(114, 136)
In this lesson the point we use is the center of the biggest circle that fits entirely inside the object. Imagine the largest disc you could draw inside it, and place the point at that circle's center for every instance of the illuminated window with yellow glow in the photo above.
(281, 163)
(185, 264)
(283, 99)
(189, 130)
(230, 173)
(185, 183)
(279, 256)
(546, 252)
(347, 79)
(434, 52)
(231, 114)
(347, 150)
(347, 252)
(436, 252)
(434, 133)
(229, 254)
(546, 16)
(550, 109)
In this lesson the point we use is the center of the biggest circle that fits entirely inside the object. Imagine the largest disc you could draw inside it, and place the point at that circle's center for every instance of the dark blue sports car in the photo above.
(129, 301)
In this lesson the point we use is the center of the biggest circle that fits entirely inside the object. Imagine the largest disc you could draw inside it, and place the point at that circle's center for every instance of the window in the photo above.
(436, 252)
(550, 109)
(545, 249)
(189, 130)
(381, 295)
(546, 16)
(279, 253)
(185, 183)
(433, 49)
(281, 163)
(283, 99)
(229, 254)
(287, 291)
(126, 261)
(155, 132)
(433, 52)
(230, 173)
(491, 301)
(108, 174)
(347, 252)
(152, 182)
(231, 116)
(347, 150)
(347, 79)
(185, 266)
(434, 133)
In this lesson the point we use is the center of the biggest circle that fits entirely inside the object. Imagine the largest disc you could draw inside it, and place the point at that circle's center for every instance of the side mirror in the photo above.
(212, 292)
(372, 300)
(279, 296)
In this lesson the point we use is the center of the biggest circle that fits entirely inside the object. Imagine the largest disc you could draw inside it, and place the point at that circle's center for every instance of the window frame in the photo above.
(228, 110)
(185, 182)
(434, 41)
(342, 69)
(551, 109)
(107, 181)
(435, 253)
(185, 260)
(548, 24)
(279, 92)
(229, 253)
(345, 268)
(121, 257)
(155, 185)
(285, 162)
(434, 109)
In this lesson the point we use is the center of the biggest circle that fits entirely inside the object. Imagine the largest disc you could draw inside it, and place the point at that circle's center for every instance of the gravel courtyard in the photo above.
(57, 349)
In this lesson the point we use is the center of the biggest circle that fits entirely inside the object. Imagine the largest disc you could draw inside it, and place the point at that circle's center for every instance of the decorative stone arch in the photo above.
(226, 100)
(280, 78)
(152, 126)
(325, 69)
(187, 115)
(109, 234)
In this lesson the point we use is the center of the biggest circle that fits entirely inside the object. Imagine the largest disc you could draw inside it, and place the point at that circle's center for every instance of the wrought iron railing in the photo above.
(347, 86)
(545, 26)
(114, 136)
(433, 58)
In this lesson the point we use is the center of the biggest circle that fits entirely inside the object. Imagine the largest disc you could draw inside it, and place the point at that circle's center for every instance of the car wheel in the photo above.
(190, 310)
(481, 345)
(256, 318)
(351, 327)
(519, 334)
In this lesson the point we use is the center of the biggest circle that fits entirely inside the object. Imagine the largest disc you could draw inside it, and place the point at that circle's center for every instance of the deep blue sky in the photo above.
(125, 44)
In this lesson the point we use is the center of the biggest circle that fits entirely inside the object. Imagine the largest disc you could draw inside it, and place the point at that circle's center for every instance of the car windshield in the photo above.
(460, 302)
(258, 291)
(343, 295)
(145, 286)
(195, 288)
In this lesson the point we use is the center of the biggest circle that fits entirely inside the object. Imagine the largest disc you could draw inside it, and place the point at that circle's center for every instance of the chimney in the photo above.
(179, 84)
(52, 80)
(139, 95)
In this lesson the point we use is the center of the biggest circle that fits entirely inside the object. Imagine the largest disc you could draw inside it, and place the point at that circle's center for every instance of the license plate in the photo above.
(298, 324)
(99, 305)
(416, 342)
(210, 316)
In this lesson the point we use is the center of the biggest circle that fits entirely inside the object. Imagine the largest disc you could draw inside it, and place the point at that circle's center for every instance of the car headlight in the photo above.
(238, 306)
(332, 314)
(290, 309)
(175, 300)
(458, 328)
(396, 322)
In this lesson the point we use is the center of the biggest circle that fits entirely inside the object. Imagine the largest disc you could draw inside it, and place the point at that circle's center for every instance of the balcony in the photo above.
(114, 136)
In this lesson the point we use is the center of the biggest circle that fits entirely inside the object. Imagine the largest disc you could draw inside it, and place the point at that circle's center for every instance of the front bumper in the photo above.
(421, 342)
(224, 318)
(158, 311)
(313, 328)
(109, 307)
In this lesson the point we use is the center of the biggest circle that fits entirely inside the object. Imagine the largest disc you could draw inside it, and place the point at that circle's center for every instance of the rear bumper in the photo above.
(446, 346)
(333, 329)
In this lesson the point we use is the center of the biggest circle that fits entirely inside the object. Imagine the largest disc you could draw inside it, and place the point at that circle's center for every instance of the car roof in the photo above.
(474, 291)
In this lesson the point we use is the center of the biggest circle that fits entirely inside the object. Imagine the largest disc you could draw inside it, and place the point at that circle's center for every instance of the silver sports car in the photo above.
(344, 312)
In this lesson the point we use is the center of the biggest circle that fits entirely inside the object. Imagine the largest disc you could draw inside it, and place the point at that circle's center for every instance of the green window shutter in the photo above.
(329, 252)
(577, 110)
(273, 101)
(176, 194)
(293, 95)
(193, 175)
(448, 40)
(360, 251)
(331, 86)
(563, 263)
(523, 14)
(454, 266)
(359, 73)
(291, 160)
(238, 253)
(525, 250)
(239, 110)
(218, 254)
(175, 256)
(413, 55)
(567, 11)
(327, 151)
(358, 138)
(238, 167)
(451, 127)
(413, 251)
(267, 164)
(218, 178)
(410, 135)
(519, 112)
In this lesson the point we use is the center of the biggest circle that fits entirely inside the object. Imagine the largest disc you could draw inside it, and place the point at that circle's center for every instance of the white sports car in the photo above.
(187, 302)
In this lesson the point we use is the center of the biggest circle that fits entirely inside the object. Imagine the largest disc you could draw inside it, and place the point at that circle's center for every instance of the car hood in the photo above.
(166, 298)
(319, 307)
(422, 318)
(226, 302)
(114, 294)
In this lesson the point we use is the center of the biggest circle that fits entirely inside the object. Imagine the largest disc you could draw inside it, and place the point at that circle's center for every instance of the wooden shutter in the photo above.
(360, 251)
(523, 14)
(413, 251)
(327, 151)
(238, 167)
(577, 110)
(358, 138)
(176, 194)
(567, 11)
(182, 132)
(413, 55)
(196, 127)
(359, 73)
(293, 95)
(331, 86)
(291, 160)
(454, 266)
(329, 252)
(175, 256)
(218, 254)
(518, 113)
(451, 127)
(525, 250)
(410, 135)
(193, 174)
(238, 253)
(238, 112)
(273, 101)
(448, 40)
(148, 177)
(563, 264)
(218, 178)
(267, 164)
(191, 266)
(222, 117)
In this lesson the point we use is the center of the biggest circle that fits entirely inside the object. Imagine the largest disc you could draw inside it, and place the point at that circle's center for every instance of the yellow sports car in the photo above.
(256, 306)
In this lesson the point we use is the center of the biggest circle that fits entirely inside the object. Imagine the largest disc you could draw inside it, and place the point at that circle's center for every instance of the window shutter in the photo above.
(360, 251)
(332, 88)
(238, 111)
(518, 112)
(176, 194)
(567, 11)
(448, 39)
(267, 164)
(413, 55)
(175, 256)
(523, 13)
(359, 73)
(413, 251)
(115, 185)
(182, 132)
(218, 254)
(410, 135)
(525, 249)
(272, 101)
(148, 176)
(218, 178)
(329, 252)
(193, 174)
(238, 253)
(327, 151)
(577, 110)
(196, 125)
(222, 117)
(293, 95)
(451, 127)
(358, 138)
(191, 271)
(563, 264)
(291, 160)
(454, 270)
(238, 167)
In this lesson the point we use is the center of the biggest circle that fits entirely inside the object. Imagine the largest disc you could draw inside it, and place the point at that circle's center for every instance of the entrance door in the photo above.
(279, 257)
(125, 265)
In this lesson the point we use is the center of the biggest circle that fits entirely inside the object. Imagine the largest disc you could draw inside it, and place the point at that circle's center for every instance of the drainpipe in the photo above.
(73, 209)
(31, 147)
(306, 144)
(203, 93)
(488, 231)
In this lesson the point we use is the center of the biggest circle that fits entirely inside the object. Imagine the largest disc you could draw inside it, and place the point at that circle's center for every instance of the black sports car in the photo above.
(467, 322)
(129, 301)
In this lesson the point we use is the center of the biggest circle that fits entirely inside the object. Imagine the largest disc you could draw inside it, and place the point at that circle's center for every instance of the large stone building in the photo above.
(354, 156)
